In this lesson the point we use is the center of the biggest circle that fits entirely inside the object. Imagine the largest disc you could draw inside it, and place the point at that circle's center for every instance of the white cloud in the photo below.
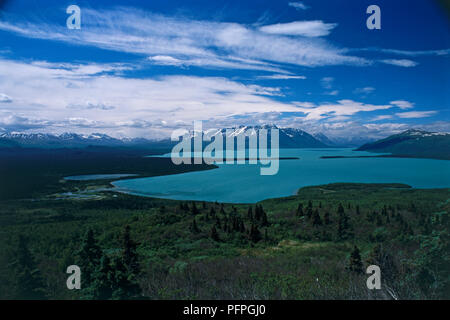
(402, 104)
(298, 5)
(327, 82)
(401, 62)
(382, 117)
(415, 114)
(332, 93)
(166, 60)
(5, 99)
(281, 77)
(341, 108)
(201, 43)
(410, 53)
(364, 91)
(316, 28)
(116, 101)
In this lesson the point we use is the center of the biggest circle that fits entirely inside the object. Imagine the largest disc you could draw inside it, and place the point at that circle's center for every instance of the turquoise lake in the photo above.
(244, 184)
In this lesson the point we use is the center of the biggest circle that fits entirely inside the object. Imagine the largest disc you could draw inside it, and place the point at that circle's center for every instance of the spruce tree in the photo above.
(326, 218)
(316, 218)
(255, 235)
(124, 286)
(355, 264)
(129, 253)
(103, 280)
(212, 212)
(194, 227)
(89, 257)
(300, 210)
(28, 282)
(214, 234)
(194, 209)
(250, 213)
(264, 221)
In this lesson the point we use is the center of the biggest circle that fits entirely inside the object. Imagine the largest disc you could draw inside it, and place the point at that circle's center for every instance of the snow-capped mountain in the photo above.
(413, 143)
(288, 138)
(46, 140)
(324, 139)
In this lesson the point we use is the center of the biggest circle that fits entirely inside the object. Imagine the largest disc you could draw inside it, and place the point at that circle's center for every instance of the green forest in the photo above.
(315, 245)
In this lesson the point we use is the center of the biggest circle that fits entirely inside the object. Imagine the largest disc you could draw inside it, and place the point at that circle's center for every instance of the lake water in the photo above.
(244, 184)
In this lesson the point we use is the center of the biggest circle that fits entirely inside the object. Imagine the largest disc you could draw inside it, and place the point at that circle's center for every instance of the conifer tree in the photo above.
(129, 253)
(194, 209)
(316, 218)
(89, 254)
(326, 218)
(343, 226)
(242, 227)
(309, 212)
(103, 280)
(212, 212)
(214, 234)
(28, 282)
(255, 235)
(250, 213)
(355, 264)
(264, 221)
(300, 210)
(257, 212)
(218, 224)
(340, 209)
(194, 227)
(124, 286)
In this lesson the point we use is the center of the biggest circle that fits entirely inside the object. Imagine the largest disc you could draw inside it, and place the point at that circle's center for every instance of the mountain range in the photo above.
(288, 138)
(416, 143)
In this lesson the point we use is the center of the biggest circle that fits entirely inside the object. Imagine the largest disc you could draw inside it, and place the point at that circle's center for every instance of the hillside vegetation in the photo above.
(315, 245)
(413, 143)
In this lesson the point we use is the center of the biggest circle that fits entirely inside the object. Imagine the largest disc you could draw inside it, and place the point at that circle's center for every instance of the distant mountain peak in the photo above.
(413, 142)
(288, 138)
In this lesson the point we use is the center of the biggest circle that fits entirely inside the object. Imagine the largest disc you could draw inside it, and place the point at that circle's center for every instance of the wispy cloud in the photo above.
(299, 5)
(316, 28)
(410, 53)
(341, 108)
(281, 77)
(193, 42)
(402, 104)
(382, 117)
(364, 90)
(400, 62)
(415, 114)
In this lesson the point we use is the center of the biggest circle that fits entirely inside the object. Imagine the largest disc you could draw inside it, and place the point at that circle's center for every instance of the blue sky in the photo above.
(145, 68)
